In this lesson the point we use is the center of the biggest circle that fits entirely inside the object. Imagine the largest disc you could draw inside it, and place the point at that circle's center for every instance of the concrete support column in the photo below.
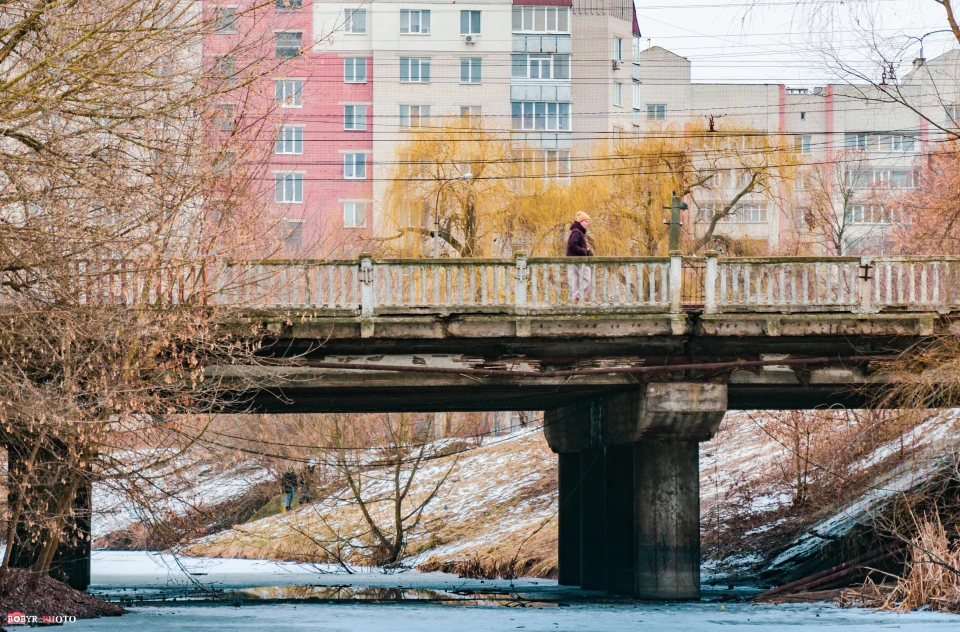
(618, 471)
(639, 485)
(666, 484)
(593, 554)
(568, 519)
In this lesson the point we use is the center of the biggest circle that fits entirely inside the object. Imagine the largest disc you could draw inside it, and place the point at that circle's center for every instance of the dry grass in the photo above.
(495, 518)
(931, 578)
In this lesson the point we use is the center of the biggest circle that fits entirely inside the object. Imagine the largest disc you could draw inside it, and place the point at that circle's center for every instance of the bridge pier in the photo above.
(638, 506)
(568, 526)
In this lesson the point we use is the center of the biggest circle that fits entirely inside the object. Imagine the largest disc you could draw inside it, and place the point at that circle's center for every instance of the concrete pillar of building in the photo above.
(666, 486)
(620, 540)
(71, 560)
(568, 519)
(593, 554)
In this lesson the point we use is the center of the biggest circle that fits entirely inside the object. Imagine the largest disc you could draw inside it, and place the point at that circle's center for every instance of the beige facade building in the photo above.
(863, 138)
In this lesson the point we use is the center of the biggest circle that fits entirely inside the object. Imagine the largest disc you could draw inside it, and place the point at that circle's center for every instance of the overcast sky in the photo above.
(779, 41)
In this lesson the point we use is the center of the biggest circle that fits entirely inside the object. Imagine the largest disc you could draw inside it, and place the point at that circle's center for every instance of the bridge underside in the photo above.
(624, 423)
(433, 395)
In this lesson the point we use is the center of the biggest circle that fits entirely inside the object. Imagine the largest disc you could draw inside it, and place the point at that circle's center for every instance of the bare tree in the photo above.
(385, 481)
(120, 197)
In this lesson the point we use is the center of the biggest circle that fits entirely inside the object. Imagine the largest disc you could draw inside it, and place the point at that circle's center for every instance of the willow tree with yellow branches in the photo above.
(482, 193)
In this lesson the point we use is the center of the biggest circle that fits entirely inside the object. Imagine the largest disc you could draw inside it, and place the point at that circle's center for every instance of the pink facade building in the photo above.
(315, 127)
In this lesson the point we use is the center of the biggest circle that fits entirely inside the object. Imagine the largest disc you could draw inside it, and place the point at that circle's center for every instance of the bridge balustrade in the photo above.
(528, 285)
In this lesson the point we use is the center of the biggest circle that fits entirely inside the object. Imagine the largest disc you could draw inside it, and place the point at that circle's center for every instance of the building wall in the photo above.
(320, 116)
(596, 119)
(818, 118)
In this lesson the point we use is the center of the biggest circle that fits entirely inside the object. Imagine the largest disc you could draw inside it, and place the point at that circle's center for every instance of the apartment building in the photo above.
(355, 77)
(317, 105)
(867, 138)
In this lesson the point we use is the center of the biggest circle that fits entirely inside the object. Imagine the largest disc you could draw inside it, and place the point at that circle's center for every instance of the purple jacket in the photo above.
(577, 242)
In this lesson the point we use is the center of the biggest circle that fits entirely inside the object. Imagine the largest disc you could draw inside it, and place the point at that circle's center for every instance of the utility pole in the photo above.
(676, 208)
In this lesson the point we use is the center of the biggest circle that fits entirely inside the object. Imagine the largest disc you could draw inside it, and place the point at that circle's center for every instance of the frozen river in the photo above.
(140, 575)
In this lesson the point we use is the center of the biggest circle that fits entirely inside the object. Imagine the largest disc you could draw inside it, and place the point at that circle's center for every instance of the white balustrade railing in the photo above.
(522, 285)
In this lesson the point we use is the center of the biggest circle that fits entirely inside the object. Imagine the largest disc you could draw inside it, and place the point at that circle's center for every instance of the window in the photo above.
(855, 142)
(289, 93)
(355, 21)
(470, 69)
(636, 96)
(546, 163)
(803, 116)
(354, 214)
(471, 113)
(901, 143)
(354, 69)
(225, 68)
(225, 163)
(539, 66)
(748, 213)
(226, 21)
(415, 70)
(290, 140)
(804, 144)
(289, 44)
(354, 166)
(636, 48)
(289, 188)
(868, 214)
(415, 21)
(291, 233)
(469, 23)
(225, 117)
(618, 94)
(528, 19)
(355, 117)
(656, 111)
(618, 48)
(900, 179)
(953, 115)
(414, 116)
(540, 115)
(289, 5)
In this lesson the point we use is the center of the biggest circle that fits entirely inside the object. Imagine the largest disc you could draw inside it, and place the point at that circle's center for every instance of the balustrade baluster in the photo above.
(912, 271)
(723, 283)
(923, 283)
(935, 269)
(735, 273)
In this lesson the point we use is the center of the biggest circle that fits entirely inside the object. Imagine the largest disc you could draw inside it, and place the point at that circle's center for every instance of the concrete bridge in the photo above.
(631, 377)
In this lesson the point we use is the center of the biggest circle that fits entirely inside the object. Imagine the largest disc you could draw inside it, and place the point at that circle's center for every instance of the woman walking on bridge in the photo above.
(578, 246)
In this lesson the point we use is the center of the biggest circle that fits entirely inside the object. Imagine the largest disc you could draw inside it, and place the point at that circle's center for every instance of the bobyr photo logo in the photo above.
(18, 618)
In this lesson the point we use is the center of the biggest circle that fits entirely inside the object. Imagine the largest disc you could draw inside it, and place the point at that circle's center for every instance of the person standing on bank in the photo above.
(578, 246)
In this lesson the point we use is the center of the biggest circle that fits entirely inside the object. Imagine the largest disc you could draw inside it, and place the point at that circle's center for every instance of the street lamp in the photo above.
(922, 37)
(436, 211)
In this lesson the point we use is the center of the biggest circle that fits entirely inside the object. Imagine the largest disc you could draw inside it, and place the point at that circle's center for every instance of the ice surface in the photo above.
(574, 618)
(114, 571)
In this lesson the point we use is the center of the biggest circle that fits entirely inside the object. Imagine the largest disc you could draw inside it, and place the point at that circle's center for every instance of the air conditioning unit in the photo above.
(470, 39)
(616, 64)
